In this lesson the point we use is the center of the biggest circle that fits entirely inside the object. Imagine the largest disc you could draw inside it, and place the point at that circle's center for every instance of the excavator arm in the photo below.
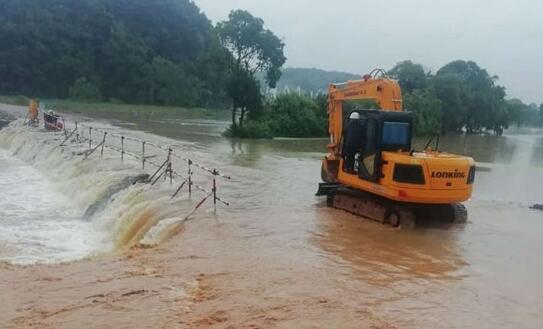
(374, 86)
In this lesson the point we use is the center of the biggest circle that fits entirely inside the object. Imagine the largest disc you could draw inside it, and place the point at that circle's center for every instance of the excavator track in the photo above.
(396, 214)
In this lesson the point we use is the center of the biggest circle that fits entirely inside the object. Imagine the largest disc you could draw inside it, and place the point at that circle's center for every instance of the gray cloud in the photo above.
(505, 37)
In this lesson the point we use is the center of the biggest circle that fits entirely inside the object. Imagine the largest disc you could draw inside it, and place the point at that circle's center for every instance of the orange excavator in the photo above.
(372, 169)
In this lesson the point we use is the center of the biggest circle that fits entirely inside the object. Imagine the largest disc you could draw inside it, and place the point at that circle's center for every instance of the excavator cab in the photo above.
(382, 131)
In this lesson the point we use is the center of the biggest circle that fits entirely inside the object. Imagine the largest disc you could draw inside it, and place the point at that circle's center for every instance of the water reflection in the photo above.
(483, 148)
(537, 155)
(246, 154)
(382, 255)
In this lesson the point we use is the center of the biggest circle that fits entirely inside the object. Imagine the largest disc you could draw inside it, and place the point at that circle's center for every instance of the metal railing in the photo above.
(101, 138)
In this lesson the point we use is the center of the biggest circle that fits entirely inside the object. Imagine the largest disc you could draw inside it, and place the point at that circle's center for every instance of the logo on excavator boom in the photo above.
(355, 93)
(448, 174)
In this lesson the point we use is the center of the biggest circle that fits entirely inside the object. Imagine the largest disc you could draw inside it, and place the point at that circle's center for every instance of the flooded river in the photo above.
(326, 268)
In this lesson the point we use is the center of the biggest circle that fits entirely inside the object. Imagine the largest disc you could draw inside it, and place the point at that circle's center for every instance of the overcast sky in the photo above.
(505, 37)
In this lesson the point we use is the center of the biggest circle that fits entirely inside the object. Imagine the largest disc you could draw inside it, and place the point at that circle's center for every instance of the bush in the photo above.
(288, 115)
(15, 100)
(252, 129)
(293, 115)
(85, 91)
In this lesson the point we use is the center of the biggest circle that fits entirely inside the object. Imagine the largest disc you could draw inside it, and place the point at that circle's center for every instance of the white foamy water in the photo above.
(57, 205)
(37, 223)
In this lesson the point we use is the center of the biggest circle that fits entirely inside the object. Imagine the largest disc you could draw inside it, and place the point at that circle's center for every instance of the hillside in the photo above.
(137, 51)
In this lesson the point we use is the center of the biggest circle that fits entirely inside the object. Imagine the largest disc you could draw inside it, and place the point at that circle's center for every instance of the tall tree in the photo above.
(426, 108)
(470, 96)
(253, 49)
(410, 76)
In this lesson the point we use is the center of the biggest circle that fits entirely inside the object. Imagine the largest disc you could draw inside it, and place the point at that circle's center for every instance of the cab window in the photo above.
(396, 135)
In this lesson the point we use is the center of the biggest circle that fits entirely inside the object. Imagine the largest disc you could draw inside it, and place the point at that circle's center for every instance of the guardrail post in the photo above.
(90, 138)
(190, 176)
(215, 173)
(170, 170)
(103, 143)
(122, 148)
(143, 155)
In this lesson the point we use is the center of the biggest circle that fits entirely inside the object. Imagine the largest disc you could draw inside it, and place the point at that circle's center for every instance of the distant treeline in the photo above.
(460, 96)
(136, 51)
(168, 53)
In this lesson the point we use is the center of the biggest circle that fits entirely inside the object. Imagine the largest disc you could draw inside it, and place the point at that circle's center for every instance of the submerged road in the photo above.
(278, 258)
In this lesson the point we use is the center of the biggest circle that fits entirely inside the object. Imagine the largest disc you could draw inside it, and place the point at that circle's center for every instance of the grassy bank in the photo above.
(15, 100)
(125, 110)
(137, 111)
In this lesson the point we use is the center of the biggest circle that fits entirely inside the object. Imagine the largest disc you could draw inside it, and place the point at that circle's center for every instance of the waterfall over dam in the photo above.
(57, 204)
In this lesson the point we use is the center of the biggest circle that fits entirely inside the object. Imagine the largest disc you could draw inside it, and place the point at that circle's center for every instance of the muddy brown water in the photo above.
(485, 274)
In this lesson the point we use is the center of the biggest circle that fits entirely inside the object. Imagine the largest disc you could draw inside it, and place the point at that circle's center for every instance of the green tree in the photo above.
(293, 115)
(47, 45)
(470, 96)
(244, 91)
(83, 90)
(287, 115)
(172, 85)
(253, 49)
(426, 108)
(410, 76)
(516, 111)
(523, 114)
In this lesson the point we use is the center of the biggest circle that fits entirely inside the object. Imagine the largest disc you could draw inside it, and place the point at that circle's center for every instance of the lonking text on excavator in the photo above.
(373, 171)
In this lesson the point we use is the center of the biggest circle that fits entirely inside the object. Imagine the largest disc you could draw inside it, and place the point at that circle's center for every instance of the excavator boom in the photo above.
(385, 92)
